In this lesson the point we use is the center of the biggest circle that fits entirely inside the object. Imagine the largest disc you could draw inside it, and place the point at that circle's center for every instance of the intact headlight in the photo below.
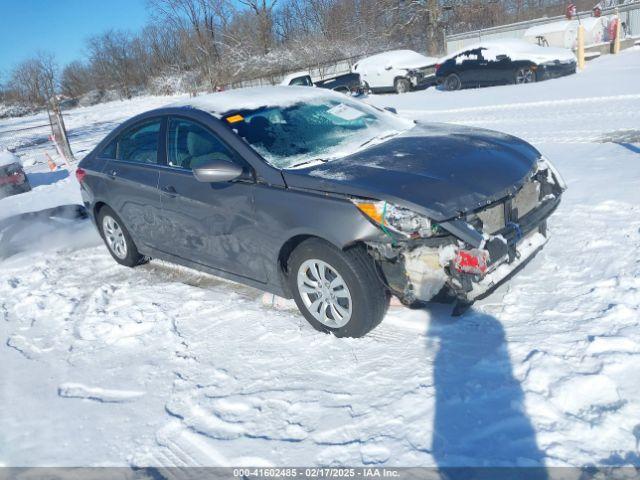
(399, 220)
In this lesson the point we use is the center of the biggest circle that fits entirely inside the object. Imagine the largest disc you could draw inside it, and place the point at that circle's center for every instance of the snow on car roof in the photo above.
(256, 97)
(517, 50)
(7, 158)
(397, 58)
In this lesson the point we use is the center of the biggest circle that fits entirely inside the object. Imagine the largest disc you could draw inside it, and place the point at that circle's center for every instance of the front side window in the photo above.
(140, 143)
(190, 145)
(320, 130)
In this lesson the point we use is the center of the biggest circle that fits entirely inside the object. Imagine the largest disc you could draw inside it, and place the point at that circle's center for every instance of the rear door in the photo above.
(132, 178)
(212, 224)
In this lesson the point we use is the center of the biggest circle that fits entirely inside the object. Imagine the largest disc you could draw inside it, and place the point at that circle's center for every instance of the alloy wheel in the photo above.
(453, 83)
(325, 293)
(114, 236)
(524, 75)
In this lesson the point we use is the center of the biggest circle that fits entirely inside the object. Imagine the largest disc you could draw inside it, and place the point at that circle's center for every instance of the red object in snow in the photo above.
(613, 29)
(13, 179)
(571, 11)
(471, 261)
(80, 174)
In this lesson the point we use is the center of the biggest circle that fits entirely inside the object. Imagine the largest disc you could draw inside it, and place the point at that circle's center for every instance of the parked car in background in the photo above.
(12, 177)
(397, 71)
(348, 83)
(297, 79)
(503, 62)
(301, 192)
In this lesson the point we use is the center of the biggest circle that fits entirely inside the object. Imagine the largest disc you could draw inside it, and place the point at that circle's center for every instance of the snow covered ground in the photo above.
(104, 365)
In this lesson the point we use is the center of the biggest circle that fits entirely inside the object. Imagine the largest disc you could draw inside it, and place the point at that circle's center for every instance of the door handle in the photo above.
(113, 174)
(169, 190)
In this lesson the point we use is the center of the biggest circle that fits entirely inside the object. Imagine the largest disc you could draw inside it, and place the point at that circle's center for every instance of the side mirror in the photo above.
(217, 171)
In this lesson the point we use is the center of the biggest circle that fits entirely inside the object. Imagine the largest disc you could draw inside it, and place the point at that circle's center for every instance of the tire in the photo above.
(402, 85)
(524, 75)
(452, 82)
(113, 232)
(358, 289)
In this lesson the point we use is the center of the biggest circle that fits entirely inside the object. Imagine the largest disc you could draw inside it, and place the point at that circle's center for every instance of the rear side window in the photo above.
(190, 145)
(139, 144)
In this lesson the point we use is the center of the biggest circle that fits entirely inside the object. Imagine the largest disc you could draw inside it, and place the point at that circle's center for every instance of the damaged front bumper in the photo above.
(483, 249)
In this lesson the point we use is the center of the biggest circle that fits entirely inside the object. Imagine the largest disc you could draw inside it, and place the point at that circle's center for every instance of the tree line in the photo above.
(204, 45)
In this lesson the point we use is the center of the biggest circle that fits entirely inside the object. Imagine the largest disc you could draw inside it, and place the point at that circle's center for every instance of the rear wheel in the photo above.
(524, 75)
(452, 82)
(402, 85)
(117, 238)
(337, 291)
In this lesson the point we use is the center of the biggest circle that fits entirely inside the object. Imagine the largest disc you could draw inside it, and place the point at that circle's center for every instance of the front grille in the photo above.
(428, 71)
(492, 218)
(527, 199)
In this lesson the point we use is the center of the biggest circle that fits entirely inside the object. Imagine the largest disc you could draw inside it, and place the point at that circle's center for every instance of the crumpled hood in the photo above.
(439, 170)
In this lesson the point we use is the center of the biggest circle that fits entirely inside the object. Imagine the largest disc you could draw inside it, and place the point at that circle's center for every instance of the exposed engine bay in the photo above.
(466, 258)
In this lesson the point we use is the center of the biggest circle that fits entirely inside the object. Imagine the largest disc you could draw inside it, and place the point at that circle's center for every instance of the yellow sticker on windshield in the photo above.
(235, 118)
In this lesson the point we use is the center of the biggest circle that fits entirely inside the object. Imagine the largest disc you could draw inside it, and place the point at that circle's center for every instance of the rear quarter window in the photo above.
(109, 152)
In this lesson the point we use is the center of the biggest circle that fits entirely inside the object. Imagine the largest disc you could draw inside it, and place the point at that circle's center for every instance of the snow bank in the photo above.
(77, 390)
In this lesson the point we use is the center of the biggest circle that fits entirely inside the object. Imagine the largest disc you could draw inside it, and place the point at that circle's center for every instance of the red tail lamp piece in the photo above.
(80, 174)
(472, 261)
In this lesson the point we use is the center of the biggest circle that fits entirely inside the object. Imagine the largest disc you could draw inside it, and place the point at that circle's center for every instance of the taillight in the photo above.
(80, 174)
(471, 261)
(438, 67)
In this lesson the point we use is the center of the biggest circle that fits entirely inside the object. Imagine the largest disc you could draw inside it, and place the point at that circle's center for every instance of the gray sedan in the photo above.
(311, 195)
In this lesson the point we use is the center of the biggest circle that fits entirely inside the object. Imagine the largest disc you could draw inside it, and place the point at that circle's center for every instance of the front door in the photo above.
(212, 224)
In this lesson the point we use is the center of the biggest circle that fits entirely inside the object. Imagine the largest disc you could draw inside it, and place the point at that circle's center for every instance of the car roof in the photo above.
(251, 98)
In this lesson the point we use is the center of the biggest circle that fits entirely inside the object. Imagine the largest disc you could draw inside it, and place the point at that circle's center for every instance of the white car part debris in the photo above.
(425, 270)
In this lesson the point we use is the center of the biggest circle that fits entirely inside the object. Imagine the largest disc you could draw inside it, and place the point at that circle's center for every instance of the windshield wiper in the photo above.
(383, 137)
(307, 162)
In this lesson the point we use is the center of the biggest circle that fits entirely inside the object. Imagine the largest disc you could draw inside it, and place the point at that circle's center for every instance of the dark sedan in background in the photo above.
(502, 63)
(310, 194)
(12, 177)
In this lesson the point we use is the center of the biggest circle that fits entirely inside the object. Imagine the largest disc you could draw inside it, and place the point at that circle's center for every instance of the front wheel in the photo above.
(337, 291)
(118, 239)
(402, 85)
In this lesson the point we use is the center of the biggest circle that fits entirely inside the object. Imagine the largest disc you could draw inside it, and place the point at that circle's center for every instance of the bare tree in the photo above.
(114, 64)
(34, 80)
(198, 23)
(263, 10)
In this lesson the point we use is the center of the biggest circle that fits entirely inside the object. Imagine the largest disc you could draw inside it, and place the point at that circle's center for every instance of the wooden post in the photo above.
(616, 42)
(580, 47)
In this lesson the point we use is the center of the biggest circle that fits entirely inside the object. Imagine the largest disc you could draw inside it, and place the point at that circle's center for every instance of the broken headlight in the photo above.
(552, 172)
(399, 220)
